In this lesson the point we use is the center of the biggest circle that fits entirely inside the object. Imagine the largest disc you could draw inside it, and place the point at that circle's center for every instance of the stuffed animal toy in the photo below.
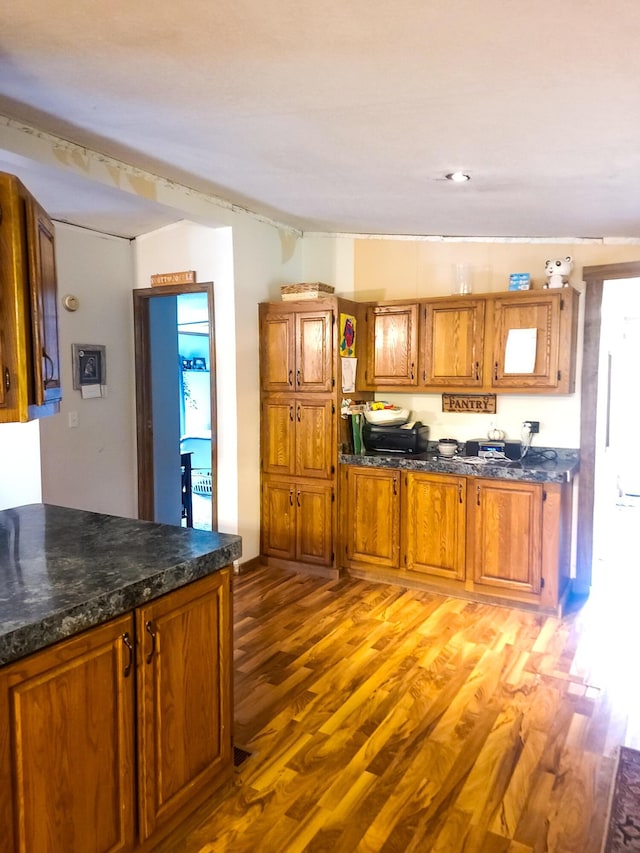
(558, 271)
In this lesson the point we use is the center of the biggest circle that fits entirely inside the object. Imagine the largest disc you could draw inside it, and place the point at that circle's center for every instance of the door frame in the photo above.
(144, 415)
(594, 278)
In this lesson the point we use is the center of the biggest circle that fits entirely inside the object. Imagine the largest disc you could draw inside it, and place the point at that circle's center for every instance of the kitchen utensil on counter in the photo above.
(447, 447)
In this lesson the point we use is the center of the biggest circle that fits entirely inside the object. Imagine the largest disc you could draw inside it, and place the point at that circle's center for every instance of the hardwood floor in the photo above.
(386, 719)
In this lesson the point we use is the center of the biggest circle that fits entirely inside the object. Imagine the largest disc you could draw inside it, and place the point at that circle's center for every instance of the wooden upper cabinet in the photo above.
(373, 516)
(314, 351)
(453, 343)
(29, 354)
(68, 756)
(42, 280)
(184, 697)
(505, 521)
(277, 350)
(392, 345)
(534, 341)
(296, 350)
(434, 524)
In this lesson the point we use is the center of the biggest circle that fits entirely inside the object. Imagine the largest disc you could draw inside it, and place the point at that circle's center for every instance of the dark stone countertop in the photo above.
(536, 467)
(65, 570)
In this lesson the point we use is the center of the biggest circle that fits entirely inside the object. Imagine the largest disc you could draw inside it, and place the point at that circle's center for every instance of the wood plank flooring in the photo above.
(386, 719)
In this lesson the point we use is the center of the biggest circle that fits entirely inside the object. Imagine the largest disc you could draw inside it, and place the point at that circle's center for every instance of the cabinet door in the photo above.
(278, 435)
(433, 512)
(392, 345)
(277, 351)
(314, 351)
(184, 697)
(373, 516)
(67, 742)
(527, 329)
(44, 311)
(453, 343)
(506, 520)
(314, 428)
(278, 532)
(314, 539)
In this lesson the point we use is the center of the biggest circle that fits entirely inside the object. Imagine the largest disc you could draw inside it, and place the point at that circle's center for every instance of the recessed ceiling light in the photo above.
(458, 177)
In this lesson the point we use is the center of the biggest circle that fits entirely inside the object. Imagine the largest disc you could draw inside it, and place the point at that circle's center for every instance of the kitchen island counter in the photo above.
(541, 466)
(66, 570)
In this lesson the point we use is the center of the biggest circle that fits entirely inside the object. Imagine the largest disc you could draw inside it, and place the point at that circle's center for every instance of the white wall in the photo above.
(93, 466)
(19, 465)
(247, 263)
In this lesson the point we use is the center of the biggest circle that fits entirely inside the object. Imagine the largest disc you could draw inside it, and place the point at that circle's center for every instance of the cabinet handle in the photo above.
(477, 366)
(291, 413)
(495, 371)
(395, 486)
(298, 377)
(126, 641)
(290, 497)
(290, 378)
(48, 361)
(7, 380)
(298, 497)
(298, 414)
(412, 373)
(460, 492)
(149, 629)
(478, 495)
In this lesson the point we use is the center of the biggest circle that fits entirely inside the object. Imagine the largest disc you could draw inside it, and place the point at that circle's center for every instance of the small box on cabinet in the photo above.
(519, 281)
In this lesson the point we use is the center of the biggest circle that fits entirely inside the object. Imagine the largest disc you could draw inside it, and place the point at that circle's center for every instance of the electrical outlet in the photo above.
(532, 426)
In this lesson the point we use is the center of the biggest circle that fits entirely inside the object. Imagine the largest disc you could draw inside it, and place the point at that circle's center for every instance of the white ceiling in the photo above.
(341, 116)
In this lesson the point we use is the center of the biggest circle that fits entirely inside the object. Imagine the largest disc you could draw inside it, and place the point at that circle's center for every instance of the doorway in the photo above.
(617, 464)
(176, 405)
(596, 476)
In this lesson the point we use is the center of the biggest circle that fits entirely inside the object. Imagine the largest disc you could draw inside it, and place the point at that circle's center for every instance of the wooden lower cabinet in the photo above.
(505, 535)
(72, 740)
(297, 521)
(373, 516)
(433, 524)
(499, 540)
(184, 697)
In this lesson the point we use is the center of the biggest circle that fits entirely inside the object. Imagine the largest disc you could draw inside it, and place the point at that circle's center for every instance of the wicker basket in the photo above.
(311, 290)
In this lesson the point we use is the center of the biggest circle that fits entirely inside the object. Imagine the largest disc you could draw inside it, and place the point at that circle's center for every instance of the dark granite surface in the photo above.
(64, 570)
(542, 465)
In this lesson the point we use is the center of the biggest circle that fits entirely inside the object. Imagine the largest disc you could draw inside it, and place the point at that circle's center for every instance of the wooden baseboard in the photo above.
(409, 580)
(248, 566)
(329, 572)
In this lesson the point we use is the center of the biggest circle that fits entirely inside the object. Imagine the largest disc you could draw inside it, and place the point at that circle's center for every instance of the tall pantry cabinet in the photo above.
(301, 430)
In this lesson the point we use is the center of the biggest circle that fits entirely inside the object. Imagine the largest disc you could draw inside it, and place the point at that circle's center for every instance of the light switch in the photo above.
(73, 420)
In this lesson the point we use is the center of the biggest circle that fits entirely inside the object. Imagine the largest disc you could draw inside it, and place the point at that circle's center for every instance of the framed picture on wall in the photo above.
(89, 365)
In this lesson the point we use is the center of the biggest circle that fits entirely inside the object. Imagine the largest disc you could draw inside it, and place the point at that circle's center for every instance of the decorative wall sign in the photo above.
(186, 277)
(479, 404)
